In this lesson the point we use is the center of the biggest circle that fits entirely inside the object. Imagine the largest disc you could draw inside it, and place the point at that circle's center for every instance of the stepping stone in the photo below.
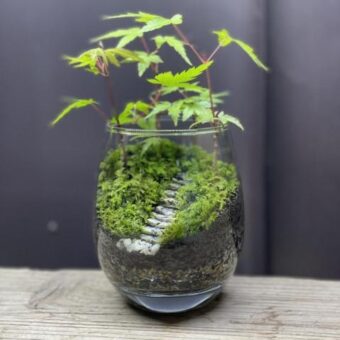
(169, 200)
(156, 223)
(151, 250)
(164, 211)
(153, 231)
(137, 245)
(149, 238)
(169, 204)
(174, 186)
(123, 242)
(162, 217)
(179, 181)
(170, 193)
(180, 176)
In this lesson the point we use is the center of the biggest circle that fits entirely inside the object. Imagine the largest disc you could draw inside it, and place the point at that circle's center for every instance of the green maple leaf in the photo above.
(173, 42)
(175, 110)
(251, 53)
(152, 21)
(75, 103)
(138, 16)
(205, 116)
(218, 97)
(87, 60)
(197, 110)
(124, 54)
(126, 36)
(225, 119)
(224, 39)
(148, 142)
(197, 107)
(181, 79)
(146, 60)
(159, 107)
(133, 31)
(187, 87)
(135, 113)
(159, 22)
(117, 55)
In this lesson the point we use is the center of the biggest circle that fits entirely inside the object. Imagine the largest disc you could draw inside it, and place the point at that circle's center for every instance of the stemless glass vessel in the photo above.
(169, 216)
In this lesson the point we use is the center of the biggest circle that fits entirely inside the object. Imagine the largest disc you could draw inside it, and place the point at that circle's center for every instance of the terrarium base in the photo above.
(171, 303)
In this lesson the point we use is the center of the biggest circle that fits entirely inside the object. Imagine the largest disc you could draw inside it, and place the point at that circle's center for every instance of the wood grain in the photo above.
(75, 304)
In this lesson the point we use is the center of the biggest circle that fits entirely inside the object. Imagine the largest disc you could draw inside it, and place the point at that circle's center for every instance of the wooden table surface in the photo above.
(77, 304)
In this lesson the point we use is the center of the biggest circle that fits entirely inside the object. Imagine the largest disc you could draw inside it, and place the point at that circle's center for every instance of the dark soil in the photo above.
(194, 263)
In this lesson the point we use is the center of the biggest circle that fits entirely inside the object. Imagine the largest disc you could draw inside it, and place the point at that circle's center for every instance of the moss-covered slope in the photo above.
(127, 197)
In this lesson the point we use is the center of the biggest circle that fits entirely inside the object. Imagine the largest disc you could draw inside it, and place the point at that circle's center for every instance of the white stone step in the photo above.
(153, 231)
(157, 223)
(169, 204)
(174, 186)
(179, 181)
(162, 217)
(149, 238)
(165, 211)
(170, 193)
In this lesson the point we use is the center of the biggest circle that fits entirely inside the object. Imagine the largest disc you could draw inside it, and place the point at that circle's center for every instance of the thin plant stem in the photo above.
(214, 52)
(148, 50)
(188, 43)
(216, 147)
(102, 114)
(215, 138)
(201, 59)
(111, 97)
(183, 94)
(105, 72)
(145, 44)
(154, 68)
(115, 113)
(209, 84)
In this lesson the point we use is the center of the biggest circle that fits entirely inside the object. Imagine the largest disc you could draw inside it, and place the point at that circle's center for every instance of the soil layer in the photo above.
(191, 264)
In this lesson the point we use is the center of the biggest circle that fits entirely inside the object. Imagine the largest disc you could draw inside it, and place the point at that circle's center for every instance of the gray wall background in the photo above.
(303, 138)
(288, 156)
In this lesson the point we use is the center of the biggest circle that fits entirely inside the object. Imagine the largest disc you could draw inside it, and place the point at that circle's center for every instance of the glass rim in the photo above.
(127, 131)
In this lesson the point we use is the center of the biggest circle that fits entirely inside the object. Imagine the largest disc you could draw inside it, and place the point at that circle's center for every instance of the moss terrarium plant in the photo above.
(169, 212)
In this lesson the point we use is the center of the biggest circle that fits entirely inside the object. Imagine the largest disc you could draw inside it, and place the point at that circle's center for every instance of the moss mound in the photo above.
(127, 197)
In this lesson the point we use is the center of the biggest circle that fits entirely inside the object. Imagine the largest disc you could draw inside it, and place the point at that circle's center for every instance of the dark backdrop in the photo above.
(288, 155)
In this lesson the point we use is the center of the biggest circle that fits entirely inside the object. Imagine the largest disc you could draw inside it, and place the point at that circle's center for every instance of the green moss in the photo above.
(127, 197)
(201, 199)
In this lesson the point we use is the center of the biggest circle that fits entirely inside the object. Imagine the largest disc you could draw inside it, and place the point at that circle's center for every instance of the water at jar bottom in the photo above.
(171, 303)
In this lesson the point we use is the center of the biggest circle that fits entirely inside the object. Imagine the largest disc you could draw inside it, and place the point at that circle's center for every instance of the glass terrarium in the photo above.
(170, 221)
(169, 210)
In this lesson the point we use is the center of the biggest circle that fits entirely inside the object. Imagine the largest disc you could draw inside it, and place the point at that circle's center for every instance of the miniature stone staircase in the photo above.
(149, 242)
